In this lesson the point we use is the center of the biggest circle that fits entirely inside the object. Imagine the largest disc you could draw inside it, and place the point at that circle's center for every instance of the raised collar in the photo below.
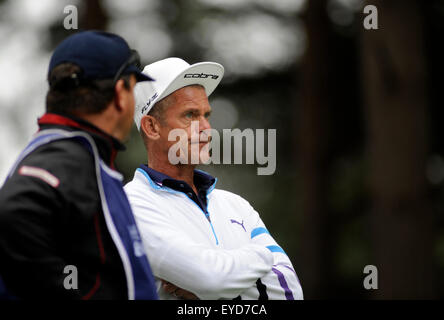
(107, 145)
(202, 180)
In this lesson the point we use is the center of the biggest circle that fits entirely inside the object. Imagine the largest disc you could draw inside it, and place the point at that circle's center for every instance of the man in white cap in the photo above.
(201, 242)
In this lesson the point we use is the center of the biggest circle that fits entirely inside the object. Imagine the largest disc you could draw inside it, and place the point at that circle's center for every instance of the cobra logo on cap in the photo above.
(201, 75)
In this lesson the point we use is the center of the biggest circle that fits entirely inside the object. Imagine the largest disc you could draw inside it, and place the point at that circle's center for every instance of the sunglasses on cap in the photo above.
(134, 59)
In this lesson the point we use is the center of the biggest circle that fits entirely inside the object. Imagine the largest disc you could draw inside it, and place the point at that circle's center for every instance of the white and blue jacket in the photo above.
(215, 246)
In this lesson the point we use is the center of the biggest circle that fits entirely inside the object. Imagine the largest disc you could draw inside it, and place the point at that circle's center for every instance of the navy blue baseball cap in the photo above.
(99, 54)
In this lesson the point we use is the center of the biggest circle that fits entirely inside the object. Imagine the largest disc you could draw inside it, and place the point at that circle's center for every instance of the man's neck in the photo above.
(184, 172)
(106, 121)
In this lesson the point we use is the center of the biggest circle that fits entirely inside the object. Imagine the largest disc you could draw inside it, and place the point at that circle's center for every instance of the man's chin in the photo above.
(125, 139)
(203, 156)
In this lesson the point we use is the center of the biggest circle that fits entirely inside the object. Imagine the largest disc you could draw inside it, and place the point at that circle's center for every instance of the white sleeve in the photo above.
(209, 273)
(281, 282)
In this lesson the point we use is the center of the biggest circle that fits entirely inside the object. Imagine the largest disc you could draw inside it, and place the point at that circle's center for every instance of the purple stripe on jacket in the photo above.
(283, 283)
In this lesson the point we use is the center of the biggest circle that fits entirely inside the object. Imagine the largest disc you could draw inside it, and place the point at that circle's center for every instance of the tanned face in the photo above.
(189, 104)
(130, 102)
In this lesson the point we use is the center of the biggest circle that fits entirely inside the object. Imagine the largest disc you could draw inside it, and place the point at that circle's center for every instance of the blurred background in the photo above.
(360, 162)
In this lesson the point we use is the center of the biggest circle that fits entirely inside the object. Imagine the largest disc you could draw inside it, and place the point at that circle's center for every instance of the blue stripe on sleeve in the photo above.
(258, 231)
(276, 249)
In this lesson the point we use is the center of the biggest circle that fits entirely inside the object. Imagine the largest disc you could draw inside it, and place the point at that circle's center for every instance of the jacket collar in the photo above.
(202, 180)
(107, 145)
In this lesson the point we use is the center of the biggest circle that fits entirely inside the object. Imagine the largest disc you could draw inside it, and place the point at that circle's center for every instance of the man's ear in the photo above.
(150, 126)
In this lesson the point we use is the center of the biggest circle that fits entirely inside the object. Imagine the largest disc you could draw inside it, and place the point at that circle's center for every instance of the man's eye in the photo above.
(189, 115)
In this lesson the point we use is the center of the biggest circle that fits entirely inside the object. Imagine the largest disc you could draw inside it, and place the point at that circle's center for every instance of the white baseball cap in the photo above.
(170, 75)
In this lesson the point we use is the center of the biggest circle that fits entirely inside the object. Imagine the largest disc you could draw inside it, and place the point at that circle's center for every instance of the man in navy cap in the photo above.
(66, 228)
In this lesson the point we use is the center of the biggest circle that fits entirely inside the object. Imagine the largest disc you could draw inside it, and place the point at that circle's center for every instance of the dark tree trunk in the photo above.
(312, 135)
(94, 16)
(395, 101)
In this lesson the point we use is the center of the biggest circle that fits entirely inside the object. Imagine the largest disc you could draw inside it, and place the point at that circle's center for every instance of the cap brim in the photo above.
(138, 74)
(206, 74)
(142, 77)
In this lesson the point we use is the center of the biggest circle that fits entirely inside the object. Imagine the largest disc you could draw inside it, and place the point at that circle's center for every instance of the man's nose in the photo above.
(204, 124)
